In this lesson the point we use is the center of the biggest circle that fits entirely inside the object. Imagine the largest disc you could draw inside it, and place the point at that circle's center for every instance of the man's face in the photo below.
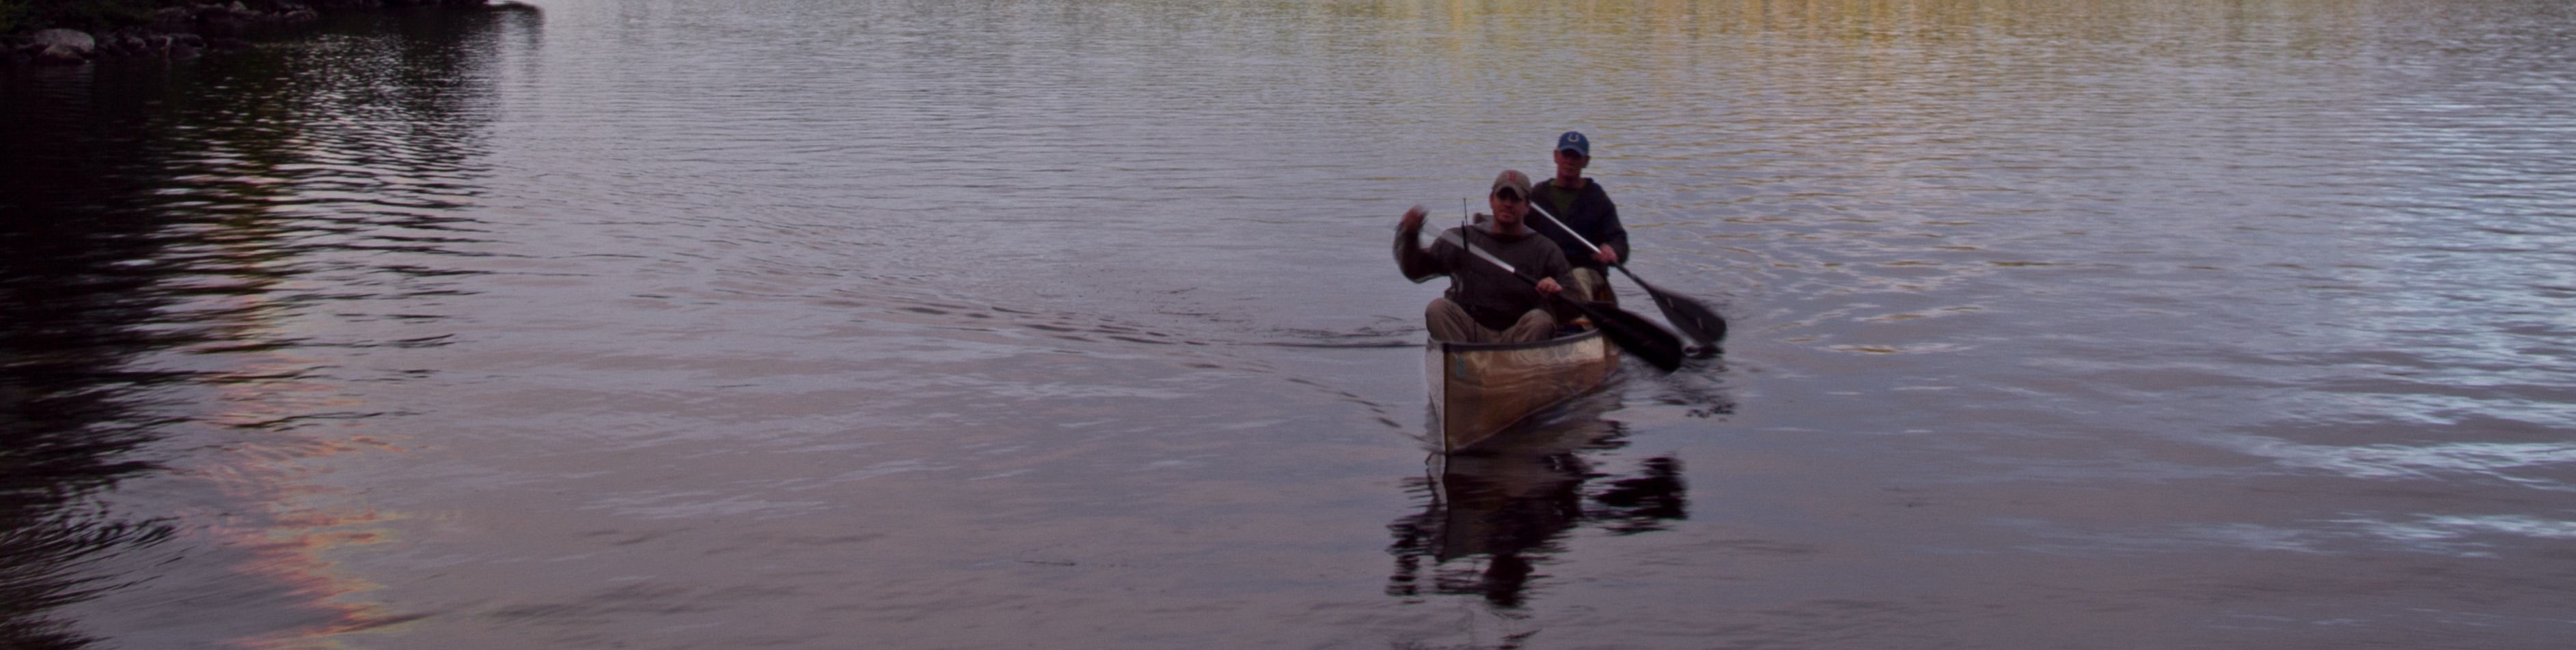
(1509, 205)
(1570, 164)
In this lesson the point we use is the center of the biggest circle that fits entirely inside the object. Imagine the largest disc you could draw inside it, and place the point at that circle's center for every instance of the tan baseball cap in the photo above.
(1512, 178)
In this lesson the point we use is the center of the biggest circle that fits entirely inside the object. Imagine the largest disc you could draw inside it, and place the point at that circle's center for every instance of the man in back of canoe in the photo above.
(1579, 203)
(1486, 304)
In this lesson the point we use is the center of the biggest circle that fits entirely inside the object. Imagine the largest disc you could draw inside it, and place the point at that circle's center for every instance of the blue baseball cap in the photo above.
(1575, 142)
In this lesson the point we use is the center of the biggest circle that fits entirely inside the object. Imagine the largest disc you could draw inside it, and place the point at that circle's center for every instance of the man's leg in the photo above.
(1589, 285)
(1448, 322)
(1535, 325)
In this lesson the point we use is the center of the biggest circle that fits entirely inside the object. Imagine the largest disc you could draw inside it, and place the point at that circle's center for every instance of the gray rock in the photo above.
(218, 14)
(77, 40)
(59, 55)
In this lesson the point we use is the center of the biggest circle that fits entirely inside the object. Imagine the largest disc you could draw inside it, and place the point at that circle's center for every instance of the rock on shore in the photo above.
(60, 46)
(181, 32)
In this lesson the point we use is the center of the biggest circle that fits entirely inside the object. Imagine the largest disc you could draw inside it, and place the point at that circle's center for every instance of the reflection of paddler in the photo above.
(1511, 503)
(1485, 303)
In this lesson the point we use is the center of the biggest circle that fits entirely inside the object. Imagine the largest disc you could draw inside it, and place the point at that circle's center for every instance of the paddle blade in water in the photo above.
(1634, 334)
(1694, 319)
(1691, 317)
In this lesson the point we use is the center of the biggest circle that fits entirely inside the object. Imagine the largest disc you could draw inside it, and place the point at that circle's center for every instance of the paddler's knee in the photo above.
(1534, 325)
(1449, 322)
(1592, 285)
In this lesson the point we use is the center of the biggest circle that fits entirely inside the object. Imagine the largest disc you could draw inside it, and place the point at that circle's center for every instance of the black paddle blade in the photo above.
(1692, 318)
(1687, 314)
(1634, 334)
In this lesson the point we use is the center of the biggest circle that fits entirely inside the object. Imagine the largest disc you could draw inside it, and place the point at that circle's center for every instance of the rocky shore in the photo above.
(184, 31)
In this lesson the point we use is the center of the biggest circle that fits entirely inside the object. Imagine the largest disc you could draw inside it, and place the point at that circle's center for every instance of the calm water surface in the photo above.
(1070, 324)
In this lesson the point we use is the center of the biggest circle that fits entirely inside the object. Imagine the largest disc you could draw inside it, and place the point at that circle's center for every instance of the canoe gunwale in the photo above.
(1524, 345)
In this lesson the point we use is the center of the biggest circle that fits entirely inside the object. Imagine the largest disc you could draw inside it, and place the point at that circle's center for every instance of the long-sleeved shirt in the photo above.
(1488, 293)
(1588, 211)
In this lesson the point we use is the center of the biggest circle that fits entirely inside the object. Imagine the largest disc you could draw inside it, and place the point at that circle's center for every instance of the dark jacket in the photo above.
(1488, 293)
(1590, 213)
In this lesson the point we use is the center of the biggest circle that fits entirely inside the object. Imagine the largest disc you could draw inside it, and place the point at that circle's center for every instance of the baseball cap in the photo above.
(1575, 142)
(1512, 178)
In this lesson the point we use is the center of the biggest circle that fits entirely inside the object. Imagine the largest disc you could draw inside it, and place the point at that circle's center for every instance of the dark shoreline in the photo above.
(73, 33)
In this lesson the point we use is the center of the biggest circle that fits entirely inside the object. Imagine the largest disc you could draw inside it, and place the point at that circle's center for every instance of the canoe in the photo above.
(1481, 389)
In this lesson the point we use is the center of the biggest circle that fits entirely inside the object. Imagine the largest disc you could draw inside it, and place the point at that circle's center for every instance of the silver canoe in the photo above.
(1480, 389)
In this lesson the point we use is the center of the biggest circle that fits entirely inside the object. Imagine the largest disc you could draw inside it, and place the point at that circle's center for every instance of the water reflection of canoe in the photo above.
(1480, 389)
(1493, 517)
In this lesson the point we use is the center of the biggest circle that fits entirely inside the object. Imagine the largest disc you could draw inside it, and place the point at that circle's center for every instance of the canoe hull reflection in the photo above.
(1480, 389)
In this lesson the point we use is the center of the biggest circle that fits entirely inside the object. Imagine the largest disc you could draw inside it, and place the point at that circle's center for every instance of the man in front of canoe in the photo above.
(1485, 303)
(1580, 204)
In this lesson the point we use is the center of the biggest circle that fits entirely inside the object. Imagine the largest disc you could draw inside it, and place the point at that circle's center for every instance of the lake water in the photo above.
(1071, 324)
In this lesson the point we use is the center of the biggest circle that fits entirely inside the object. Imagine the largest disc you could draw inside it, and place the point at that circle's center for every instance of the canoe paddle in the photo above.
(1630, 332)
(1687, 314)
